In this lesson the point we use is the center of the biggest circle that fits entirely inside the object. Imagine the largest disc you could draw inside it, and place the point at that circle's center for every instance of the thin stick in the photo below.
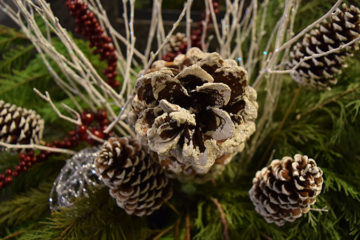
(162, 233)
(187, 226)
(188, 25)
(311, 26)
(13, 235)
(222, 218)
(319, 209)
(47, 98)
(36, 146)
(314, 56)
(166, 40)
(173, 208)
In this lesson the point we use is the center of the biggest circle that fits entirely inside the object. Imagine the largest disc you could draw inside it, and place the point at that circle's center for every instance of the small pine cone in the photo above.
(19, 125)
(136, 180)
(342, 28)
(285, 190)
(194, 111)
(175, 42)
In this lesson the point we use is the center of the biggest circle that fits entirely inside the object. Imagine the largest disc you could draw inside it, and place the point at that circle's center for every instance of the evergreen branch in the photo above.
(29, 206)
(24, 82)
(13, 235)
(222, 218)
(162, 233)
(331, 100)
(17, 54)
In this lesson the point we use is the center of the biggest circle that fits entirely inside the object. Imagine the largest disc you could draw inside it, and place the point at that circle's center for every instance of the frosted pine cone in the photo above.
(136, 180)
(342, 28)
(195, 111)
(19, 125)
(285, 190)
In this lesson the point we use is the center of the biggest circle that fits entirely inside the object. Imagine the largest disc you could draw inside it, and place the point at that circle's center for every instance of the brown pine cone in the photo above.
(194, 111)
(342, 28)
(19, 125)
(135, 178)
(286, 189)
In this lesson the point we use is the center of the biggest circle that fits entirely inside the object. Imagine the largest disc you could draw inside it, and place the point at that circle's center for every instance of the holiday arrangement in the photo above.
(242, 125)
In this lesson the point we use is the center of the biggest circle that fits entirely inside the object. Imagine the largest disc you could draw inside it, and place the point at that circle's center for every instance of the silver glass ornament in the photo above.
(74, 179)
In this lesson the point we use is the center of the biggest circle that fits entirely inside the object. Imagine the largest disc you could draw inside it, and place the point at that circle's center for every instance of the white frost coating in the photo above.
(197, 71)
(188, 144)
(159, 83)
(226, 126)
(222, 89)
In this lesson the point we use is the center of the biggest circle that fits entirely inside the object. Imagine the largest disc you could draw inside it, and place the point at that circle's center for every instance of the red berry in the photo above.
(101, 115)
(29, 164)
(72, 133)
(84, 137)
(8, 180)
(18, 168)
(87, 117)
(98, 133)
(28, 159)
(116, 85)
(15, 173)
(62, 144)
(81, 129)
(8, 172)
(56, 142)
(24, 168)
(22, 164)
(42, 156)
(104, 122)
(1, 184)
(2, 177)
(34, 159)
(22, 156)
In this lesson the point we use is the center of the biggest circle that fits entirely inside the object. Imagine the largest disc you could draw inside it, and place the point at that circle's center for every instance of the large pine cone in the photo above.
(19, 125)
(136, 180)
(342, 28)
(195, 111)
(285, 190)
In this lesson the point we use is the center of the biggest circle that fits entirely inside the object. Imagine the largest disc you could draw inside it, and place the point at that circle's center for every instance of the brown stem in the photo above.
(177, 228)
(222, 218)
(265, 236)
(163, 232)
(13, 235)
(187, 226)
(173, 208)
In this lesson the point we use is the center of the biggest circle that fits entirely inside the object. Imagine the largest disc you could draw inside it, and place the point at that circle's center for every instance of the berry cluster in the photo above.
(195, 35)
(89, 27)
(96, 123)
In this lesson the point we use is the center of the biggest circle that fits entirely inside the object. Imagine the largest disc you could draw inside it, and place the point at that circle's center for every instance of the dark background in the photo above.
(171, 11)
